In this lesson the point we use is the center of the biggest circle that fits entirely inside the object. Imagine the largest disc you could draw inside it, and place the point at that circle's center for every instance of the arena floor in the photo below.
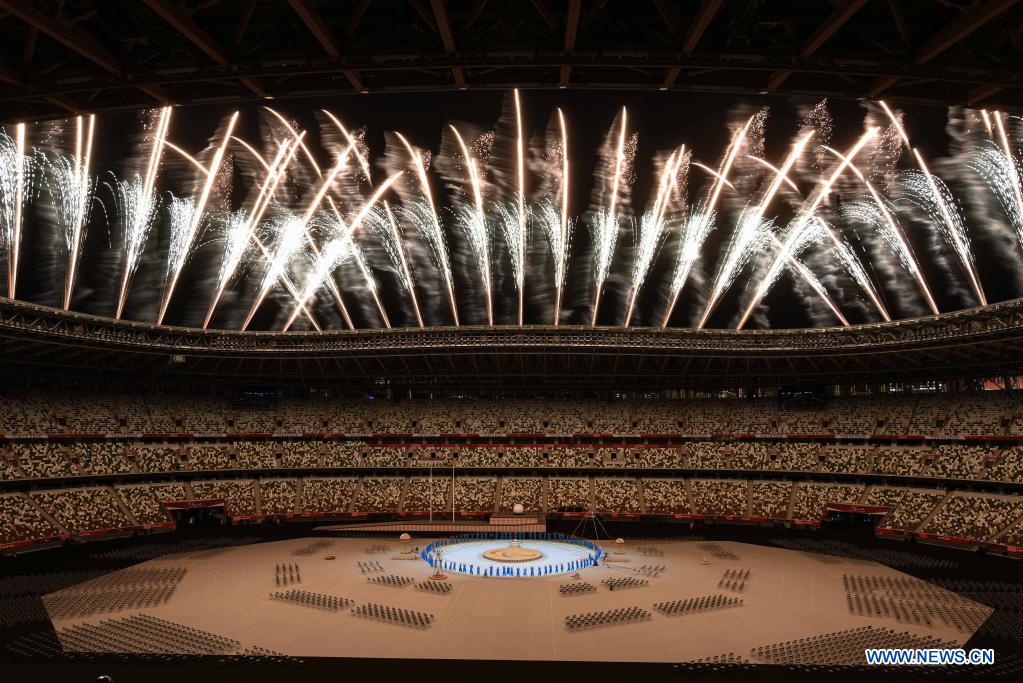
(788, 595)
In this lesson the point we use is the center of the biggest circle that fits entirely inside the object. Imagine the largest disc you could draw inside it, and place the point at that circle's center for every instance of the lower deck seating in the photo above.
(46, 513)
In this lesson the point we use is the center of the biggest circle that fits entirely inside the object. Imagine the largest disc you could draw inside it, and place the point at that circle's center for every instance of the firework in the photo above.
(651, 229)
(138, 205)
(71, 190)
(473, 219)
(338, 299)
(343, 247)
(183, 237)
(881, 216)
(300, 245)
(423, 214)
(742, 240)
(1001, 170)
(519, 257)
(392, 239)
(805, 217)
(939, 204)
(238, 233)
(605, 228)
(559, 247)
(290, 237)
(14, 177)
(853, 266)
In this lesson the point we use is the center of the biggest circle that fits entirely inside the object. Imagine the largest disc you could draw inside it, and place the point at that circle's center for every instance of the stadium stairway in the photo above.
(356, 492)
(927, 519)
(299, 490)
(46, 515)
(404, 492)
(792, 501)
(498, 484)
(1008, 526)
(689, 495)
(122, 506)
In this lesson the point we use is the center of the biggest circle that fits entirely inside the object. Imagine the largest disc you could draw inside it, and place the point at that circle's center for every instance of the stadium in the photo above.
(462, 340)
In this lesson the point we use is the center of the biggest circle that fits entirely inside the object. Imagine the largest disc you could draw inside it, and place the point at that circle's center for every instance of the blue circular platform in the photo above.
(555, 556)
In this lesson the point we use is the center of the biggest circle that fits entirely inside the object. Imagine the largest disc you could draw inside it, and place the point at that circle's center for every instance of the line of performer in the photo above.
(518, 572)
(433, 554)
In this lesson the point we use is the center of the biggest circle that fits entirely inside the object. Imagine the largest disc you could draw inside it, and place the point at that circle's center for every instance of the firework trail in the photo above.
(555, 228)
(290, 233)
(853, 266)
(693, 233)
(519, 257)
(806, 215)
(743, 238)
(651, 229)
(932, 196)
(393, 242)
(286, 247)
(604, 229)
(333, 255)
(346, 233)
(242, 227)
(559, 246)
(882, 217)
(183, 234)
(939, 204)
(14, 178)
(423, 214)
(338, 299)
(344, 246)
(473, 219)
(71, 190)
(1001, 170)
(809, 278)
(308, 245)
(138, 203)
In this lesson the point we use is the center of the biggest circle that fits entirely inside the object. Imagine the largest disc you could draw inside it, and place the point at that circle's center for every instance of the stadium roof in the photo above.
(981, 342)
(85, 55)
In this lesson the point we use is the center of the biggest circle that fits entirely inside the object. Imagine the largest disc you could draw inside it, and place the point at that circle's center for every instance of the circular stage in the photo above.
(523, 559)
(513, 553)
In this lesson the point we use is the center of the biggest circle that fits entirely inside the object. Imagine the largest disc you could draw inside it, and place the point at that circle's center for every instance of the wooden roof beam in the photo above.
(708, 10)
(183, 24)
(440, 15)
(473, 15)
(982, 93)
(843, 12)
(954, 32)
(669, 18)
(74, 39)
(545, 14)
(571, 33)
(899, 17)
(324, 36)
(238, 34)
(962, 27)
(356, 19)
(70, 37)
(9, 75)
